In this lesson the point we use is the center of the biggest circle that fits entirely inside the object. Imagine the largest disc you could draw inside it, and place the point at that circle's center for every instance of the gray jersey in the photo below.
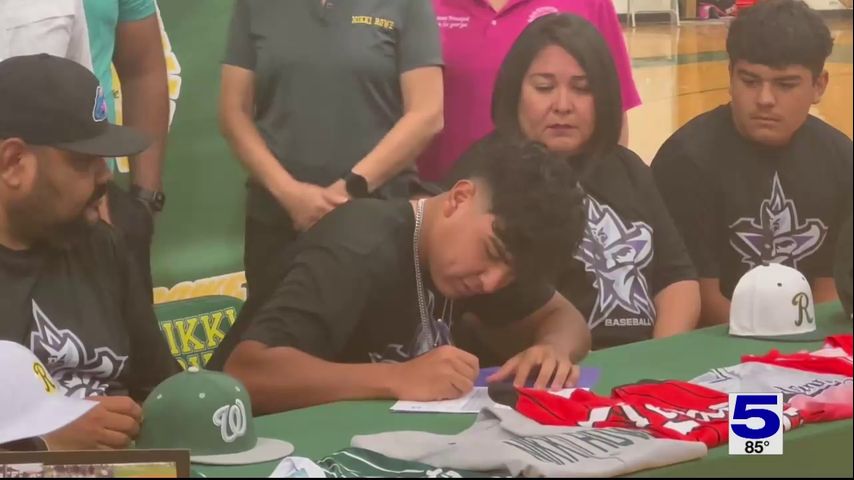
(760, 377)
(503, 441)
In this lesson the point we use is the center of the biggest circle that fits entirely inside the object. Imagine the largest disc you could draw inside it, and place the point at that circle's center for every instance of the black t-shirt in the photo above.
(327, 81)
(83, 311)
(629, 252)
(739, 204)
(349, 291)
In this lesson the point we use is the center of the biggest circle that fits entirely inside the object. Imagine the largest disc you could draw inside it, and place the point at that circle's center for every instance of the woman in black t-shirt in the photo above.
(631, 275)
(324, 101)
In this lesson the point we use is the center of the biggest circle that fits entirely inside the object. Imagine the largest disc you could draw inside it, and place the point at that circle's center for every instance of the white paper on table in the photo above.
(473, 402)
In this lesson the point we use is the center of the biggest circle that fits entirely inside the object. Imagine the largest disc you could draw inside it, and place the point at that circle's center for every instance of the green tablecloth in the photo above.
(811, 451)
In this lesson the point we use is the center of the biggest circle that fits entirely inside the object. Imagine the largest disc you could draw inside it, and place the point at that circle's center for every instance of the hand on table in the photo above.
(553, 365)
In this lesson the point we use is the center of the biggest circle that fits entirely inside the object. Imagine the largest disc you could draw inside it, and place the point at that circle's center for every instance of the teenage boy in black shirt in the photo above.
(760, 179)
(366, 306)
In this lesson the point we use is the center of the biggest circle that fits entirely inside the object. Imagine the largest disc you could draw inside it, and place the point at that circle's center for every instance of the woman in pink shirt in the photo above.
(476, 35)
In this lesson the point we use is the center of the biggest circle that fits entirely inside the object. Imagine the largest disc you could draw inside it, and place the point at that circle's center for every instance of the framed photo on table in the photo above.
(96, 464)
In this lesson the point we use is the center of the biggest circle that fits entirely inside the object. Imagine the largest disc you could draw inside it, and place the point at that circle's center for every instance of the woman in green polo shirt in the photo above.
(324, 101)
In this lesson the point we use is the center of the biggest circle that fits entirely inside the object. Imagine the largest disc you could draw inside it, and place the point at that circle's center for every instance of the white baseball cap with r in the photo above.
(33, 404)
(773, 302)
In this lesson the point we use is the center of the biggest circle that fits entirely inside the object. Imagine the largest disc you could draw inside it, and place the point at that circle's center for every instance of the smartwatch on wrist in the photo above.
(357, 186)
(154, 200)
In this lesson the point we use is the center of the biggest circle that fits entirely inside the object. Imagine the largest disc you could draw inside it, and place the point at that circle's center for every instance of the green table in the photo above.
(811, 451)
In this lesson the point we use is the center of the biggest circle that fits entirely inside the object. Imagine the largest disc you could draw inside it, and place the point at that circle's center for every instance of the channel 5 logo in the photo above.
(755, 423)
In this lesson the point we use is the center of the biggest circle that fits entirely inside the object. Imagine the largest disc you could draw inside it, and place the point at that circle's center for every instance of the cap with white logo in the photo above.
(54, 101)
(210, 414)
(773, 302)
(33, 404)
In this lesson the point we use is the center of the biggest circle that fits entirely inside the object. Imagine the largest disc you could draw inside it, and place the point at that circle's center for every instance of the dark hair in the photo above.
(536, 199)
(584, 42)
(779, 33)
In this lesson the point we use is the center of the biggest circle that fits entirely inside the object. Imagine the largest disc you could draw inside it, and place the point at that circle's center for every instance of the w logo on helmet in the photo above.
(231, 420)
(99, 111)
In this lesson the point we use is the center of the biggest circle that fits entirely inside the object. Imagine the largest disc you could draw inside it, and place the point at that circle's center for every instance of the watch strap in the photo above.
(155, 200)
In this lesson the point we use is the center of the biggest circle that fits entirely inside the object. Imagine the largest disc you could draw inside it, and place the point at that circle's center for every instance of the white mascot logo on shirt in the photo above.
(616, 253)
(80, 370)
(778, 235)
(231, 420)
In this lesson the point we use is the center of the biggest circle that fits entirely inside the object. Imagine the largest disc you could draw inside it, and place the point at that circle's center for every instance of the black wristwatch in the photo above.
(357, 186)
(154, 200)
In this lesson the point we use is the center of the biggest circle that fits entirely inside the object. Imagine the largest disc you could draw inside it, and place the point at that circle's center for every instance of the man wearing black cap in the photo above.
(69, 291)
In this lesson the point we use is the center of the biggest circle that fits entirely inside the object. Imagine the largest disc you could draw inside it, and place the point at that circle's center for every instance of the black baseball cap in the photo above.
(56, 102)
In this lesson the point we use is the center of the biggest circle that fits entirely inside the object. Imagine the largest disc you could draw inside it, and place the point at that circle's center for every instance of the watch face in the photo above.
(357, 186)
(159, 201)
(154, 200)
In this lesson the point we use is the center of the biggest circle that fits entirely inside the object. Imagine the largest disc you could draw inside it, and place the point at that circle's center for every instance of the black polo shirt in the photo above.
(739, 204)
(327, 79)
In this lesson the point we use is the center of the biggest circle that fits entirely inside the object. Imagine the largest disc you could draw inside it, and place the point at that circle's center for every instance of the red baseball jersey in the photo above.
(845, 342)
(669, 409)
(822, 361)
